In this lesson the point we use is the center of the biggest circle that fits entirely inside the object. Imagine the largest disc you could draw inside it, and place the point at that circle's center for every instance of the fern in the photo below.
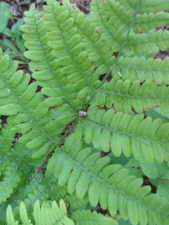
(57, 215)
(68, 54)
(43, 215)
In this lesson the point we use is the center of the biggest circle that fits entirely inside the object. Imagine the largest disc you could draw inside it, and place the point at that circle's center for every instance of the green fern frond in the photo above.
(109, 184)
(32, 190)
(127, 94)
(91, 39)
(6, 139)
(149, 21)
(141, 69)
(41, 55)
(77, 67)
(56, 214)
(117, 22)
(28, 113)
(146, 42)
(70, 67)
(98, 15)
(121, 17)
(45, 214)
(86, 217)
(147, 6)
(10, 178)
(126, 133)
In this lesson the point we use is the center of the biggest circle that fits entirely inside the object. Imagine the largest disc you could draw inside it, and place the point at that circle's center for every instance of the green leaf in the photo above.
(16, 26)
(79, 131)
(20, 45)
(10, 217)
(10, 109)
(11, 45)
(149, 169)
(8, 32)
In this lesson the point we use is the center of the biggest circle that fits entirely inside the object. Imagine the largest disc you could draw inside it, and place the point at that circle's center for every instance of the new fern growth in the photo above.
(49, 160)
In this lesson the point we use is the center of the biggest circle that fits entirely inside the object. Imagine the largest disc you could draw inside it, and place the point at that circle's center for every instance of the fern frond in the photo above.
(42, 215)
(42, 58)
(146, 42)
(98, 14)
(86, 217)
(6, 139)
(55, 214)
(134, 68)
(127, 134)
(92, 41)
(124, 94)
(30, 192)
(149, 21)
(119, 35)
(60, 192)
(28, 113)
(141, 21)
(10, 179)
(95, 47)
(114, 22)
(71, 64)
(89, 173)
(147, 6)
(70, 53)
